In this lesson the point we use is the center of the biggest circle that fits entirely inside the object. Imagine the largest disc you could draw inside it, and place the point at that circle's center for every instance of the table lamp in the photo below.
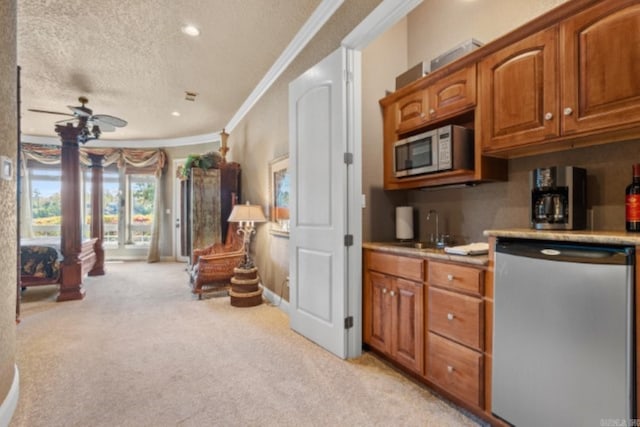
(246, 216)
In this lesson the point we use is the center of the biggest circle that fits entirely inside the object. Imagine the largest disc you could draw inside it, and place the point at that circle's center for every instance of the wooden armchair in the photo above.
(212, 267)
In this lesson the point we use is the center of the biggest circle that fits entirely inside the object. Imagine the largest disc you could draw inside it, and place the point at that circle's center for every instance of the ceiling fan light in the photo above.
(191, 30)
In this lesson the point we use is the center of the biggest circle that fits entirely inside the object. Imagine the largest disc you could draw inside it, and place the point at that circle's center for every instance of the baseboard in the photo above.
(11, 401)
(275, 300)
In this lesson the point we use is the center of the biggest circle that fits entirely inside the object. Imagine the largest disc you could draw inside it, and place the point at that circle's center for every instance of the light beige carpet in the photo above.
(140, 350)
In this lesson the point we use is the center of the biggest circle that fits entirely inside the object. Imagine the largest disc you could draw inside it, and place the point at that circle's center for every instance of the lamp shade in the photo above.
(246, 213)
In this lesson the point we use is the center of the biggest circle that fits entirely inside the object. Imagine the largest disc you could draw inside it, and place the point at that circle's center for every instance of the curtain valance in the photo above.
(122, 157)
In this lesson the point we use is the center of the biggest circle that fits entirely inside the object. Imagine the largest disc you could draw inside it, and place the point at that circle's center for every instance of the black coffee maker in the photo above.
(559, 198)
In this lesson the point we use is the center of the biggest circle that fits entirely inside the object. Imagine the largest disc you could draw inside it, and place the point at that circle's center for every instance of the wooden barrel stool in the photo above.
(245, 288)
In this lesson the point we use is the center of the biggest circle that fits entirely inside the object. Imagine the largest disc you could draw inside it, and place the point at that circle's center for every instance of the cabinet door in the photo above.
(412, 111)
(407, 336)
(518, 95)
(453, 94)
(380, 329)
(601, 67)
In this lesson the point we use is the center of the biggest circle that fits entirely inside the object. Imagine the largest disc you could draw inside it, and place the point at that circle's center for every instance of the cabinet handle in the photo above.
(548, 116)
(450, 316)
(392, 293)
(568, 111)
(450, 368)
(450, 277)
(432, 111)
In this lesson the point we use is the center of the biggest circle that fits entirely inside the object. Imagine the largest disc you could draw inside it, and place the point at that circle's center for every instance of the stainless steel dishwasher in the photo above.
(563, 334)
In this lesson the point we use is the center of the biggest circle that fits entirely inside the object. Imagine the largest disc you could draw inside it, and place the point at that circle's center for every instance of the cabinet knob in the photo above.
(450, 277)
(548, 116)
(450, 368)
(432, 111)
(568, 111)
(392, 293)
(450, 316)
(422, 115)
(384, 290)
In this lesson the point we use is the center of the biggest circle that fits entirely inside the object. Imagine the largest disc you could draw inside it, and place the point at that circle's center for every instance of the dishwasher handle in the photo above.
(567, 252)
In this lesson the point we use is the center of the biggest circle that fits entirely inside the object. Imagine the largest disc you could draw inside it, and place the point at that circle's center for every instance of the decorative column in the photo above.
(97, 229)
(71, 228)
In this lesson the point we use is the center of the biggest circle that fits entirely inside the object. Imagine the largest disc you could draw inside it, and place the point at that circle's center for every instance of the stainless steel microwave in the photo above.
(446, 148)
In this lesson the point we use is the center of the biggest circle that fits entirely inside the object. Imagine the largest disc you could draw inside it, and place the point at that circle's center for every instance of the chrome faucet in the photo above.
(434, 212)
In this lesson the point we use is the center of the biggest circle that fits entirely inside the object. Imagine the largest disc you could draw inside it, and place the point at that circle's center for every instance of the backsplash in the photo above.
(466, 212)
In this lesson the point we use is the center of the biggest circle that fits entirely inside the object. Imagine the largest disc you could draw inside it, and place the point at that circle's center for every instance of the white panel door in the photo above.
(318, 256)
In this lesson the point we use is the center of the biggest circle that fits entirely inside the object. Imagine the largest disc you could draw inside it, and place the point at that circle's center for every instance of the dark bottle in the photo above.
(632, 202)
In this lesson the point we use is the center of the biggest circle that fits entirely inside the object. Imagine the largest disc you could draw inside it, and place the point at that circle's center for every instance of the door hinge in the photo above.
(348, 158)
(347, 76)
(348, 239)
(348, 322)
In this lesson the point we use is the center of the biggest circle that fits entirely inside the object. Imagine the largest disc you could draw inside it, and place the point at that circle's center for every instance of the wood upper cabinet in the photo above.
(394, 308)
(453, 94)
(448, 96)
(518, 99)
(578, 78)
(412, 111)
(601, 67)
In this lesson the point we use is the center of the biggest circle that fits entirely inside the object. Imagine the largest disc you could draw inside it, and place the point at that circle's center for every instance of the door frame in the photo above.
(177, 216)
(383, 17)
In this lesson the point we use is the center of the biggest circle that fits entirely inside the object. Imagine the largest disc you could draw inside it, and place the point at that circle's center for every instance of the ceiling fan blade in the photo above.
(104, 126)
(105, 118)
(49, 112)
(73, 119)
(80, 111)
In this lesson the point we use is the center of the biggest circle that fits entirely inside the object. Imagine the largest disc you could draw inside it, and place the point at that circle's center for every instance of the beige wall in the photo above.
(264, 135)
(382, 61)
(436, 26)
(8, 148)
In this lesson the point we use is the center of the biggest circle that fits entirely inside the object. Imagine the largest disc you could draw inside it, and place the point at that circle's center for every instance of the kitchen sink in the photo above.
(424, 246)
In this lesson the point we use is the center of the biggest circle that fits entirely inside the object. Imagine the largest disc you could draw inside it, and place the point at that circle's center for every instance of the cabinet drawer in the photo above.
(456, 316)
(409, 268)
(456, 369)
(456, 277)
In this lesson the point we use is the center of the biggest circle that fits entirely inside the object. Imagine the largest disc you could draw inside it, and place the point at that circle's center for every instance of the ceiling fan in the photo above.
(91, 125)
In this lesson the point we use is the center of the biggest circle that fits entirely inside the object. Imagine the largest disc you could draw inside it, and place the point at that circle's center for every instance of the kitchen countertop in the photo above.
(426, 253)
(583, 236)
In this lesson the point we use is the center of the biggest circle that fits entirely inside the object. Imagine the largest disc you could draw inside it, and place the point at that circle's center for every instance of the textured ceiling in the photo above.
(131, 60)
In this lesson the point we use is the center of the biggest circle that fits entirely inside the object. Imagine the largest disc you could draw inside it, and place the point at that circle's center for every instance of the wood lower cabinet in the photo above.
(456, 331)
(431, 318)
(393, 308)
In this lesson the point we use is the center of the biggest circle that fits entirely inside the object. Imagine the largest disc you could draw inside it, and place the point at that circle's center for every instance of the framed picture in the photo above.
(279, 195)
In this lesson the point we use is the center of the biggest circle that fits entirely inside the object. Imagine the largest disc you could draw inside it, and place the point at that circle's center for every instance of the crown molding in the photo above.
(383, 17)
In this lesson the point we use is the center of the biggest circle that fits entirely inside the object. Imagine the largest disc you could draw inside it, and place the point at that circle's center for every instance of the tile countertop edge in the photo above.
(478, 260)
(582, 236)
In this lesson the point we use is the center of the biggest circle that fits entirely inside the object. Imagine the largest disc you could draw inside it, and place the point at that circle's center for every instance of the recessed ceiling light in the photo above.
(176, 114)
(190, 30)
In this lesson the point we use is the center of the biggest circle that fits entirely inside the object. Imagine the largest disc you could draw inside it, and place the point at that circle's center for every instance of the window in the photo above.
(141, 191)
(127, 203)
(45, 200)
